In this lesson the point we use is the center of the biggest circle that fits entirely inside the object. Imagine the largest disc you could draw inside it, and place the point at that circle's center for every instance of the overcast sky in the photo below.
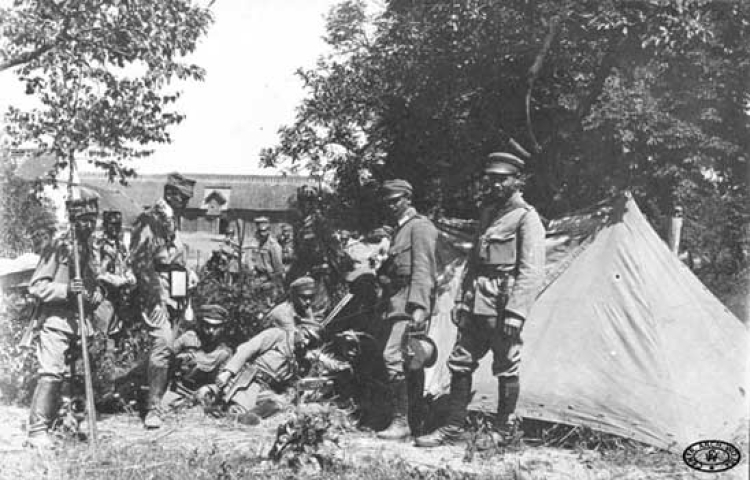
(250, 54)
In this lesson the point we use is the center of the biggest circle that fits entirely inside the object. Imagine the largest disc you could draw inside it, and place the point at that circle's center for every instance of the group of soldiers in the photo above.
(504, 275)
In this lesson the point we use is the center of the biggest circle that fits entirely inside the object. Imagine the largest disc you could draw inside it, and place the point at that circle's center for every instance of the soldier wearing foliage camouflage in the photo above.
(54, 286)
(157, 250)
(503, 278)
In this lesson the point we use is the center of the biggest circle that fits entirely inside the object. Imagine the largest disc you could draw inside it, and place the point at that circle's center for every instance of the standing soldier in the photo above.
(269, 267)
(504, 276)
(286, 240)
(54, 286)
(411, 274)
(157, 252)
(115, 275)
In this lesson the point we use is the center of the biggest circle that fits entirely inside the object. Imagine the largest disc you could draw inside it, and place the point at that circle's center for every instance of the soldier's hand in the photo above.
(512, 325)
(418, 316)
(75, 286)
(96, 297)
(223, 378)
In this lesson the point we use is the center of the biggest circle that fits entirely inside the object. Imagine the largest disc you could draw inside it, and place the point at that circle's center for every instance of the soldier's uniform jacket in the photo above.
(49, 284)
(271, 351)
(411, 265)
(153, 255)
(287, 251)
(267, 258)
(506, 267)
(284, 316)
(203, 359)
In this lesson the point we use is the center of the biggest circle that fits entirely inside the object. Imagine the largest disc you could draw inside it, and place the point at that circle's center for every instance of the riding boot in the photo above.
(399, 427)
(157, 386)
(506, 422)
(460, 394)
(43, 410)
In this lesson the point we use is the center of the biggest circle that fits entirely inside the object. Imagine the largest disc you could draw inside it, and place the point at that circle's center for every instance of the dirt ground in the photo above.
(191, 432)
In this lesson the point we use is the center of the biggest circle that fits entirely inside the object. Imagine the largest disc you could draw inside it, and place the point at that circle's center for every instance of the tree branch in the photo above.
(27, 57)
(533, 75)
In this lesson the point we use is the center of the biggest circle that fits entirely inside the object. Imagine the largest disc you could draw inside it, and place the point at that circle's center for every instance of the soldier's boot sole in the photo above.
(440, 437)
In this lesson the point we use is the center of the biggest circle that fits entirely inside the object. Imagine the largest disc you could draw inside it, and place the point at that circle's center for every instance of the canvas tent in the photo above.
(623, 339)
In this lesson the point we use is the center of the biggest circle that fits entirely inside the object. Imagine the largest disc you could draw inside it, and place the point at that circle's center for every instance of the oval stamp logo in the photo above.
(711, 456)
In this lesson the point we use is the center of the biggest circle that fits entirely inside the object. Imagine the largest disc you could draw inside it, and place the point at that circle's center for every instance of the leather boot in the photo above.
(157, 386)
(43, 410)
(506, 422)
(399, 427)
(453, 430)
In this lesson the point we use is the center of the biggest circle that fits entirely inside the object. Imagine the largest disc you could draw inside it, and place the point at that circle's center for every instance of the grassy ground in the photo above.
(192, 446)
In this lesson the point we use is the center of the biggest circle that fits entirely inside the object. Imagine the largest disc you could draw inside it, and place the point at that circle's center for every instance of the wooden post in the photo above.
(675, 230)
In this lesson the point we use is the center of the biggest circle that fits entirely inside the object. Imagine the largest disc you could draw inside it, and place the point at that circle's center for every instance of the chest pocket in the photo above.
(401, 257)
(499, 249)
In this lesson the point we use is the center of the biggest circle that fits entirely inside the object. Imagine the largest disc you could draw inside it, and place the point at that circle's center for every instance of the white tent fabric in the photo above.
(623, 339)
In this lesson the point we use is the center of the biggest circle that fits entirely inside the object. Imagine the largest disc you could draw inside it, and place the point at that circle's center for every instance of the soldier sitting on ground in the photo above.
(254, 383)
(199, 353)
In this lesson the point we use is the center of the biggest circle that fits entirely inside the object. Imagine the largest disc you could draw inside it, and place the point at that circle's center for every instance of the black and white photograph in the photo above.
(374, 239)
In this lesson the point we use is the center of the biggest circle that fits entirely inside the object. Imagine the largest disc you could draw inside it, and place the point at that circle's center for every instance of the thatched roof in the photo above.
(249, 192)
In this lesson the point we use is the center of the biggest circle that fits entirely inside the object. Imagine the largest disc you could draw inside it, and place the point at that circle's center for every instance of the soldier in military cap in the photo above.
(298, 308)
(158, 256)
(269, 267)
(409, 276)
(503, 277)
(115, 275)
(199, 353)
(53, 284)
(286, 241)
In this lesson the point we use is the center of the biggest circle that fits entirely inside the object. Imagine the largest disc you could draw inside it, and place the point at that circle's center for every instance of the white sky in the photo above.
(250, 55)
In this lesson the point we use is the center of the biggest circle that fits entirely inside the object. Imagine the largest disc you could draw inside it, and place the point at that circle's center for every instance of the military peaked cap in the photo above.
(303, 285)
(396, 188)
(213, 314)
(182, 184)
(503, 164)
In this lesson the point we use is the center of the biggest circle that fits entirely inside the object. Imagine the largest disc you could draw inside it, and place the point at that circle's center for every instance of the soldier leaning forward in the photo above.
(298, 309)
(159, 260)
(54, 285)
(255, 380)
(199, 354)
(504, 276)
(115, 275)
(408, 276)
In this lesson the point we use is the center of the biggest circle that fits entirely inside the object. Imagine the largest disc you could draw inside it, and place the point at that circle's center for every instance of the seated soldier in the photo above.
(198, 356)
(254, 382)
(289, 314)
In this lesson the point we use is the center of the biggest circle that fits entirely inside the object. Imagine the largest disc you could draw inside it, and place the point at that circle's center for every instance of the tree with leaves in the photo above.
(647, 95)
(101, 72)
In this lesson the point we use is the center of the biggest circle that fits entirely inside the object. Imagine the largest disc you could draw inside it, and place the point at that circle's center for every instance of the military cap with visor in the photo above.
(303, 285)
(396, 188)
(184, 185)
(213, 314)
(501, 163)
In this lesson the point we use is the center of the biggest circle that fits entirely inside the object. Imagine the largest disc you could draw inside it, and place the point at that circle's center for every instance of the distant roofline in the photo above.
(204, 177)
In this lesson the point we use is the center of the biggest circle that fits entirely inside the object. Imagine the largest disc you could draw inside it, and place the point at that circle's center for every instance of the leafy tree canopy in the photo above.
(605, 95)
(100, 71)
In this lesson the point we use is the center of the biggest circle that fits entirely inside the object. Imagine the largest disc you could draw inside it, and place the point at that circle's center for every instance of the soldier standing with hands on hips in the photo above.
(503, 277)
(408, 276)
